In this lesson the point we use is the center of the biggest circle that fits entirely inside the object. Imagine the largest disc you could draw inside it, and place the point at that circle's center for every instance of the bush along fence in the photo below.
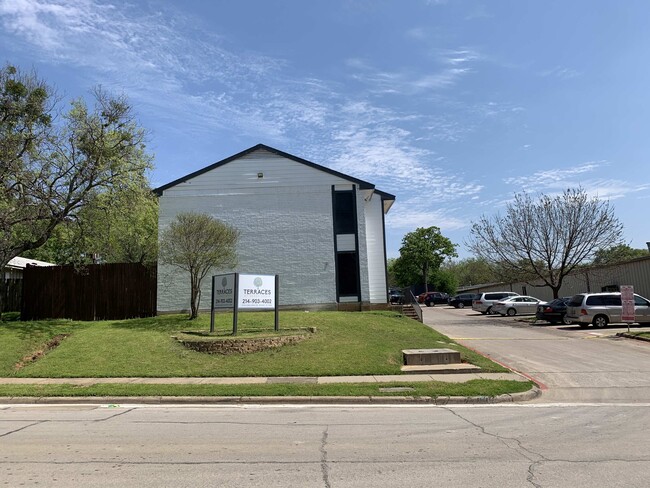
(94, 292)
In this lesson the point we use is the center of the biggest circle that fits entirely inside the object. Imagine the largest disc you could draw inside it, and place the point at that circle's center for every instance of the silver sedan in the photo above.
(520, 305)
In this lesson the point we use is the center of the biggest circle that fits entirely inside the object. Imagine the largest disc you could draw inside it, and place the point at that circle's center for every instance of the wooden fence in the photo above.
(11, 299)
(93, 292)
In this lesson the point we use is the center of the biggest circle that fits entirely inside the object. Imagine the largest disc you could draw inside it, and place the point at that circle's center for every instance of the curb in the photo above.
(632, 336)
(277, 400)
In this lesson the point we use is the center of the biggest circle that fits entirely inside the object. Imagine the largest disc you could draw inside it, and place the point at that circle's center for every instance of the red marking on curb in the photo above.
(541, 385)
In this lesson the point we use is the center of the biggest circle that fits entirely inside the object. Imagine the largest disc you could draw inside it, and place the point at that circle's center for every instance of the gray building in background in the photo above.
(320, 230)
(592, 279)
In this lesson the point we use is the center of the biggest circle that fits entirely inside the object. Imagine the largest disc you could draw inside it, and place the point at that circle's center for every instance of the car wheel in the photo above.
(428, 304)
(489, 311)
(600, 321)
(566, 321)
(511, 312)
(460, 305)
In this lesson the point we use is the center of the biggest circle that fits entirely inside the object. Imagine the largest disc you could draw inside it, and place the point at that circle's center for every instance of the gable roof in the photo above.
(363, 185)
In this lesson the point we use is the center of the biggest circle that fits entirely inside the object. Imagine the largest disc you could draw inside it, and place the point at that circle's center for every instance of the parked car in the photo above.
(461, 301)
(554, 311)
(483, 301)
(519, 305)
(395, 297)
(435, 298)
(600, 309)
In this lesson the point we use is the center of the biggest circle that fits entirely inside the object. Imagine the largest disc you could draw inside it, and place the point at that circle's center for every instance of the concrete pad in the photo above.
(293, 379)
(325, 380)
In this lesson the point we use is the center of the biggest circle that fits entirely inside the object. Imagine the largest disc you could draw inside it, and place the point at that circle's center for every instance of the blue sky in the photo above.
(451, 105)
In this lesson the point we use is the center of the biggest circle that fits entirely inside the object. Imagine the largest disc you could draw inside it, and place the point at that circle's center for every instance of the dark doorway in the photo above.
(348, 274)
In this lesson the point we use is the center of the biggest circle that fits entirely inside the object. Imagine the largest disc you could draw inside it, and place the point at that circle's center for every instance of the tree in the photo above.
(421, 254)
(197, 243)
(548, 238)
(119, 225)
(51, 166)
(617, 254)
(472, 271)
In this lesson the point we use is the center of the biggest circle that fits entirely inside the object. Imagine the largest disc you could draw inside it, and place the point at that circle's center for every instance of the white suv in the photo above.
(601, 309)
(483, 301)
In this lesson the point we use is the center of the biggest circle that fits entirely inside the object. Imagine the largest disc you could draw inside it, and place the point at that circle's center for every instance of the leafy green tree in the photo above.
(444, 281)
(422, 253)
(618, 254)
(197, 243)
(547, 238)
(472, 271)
(119, 225)
(50, 169)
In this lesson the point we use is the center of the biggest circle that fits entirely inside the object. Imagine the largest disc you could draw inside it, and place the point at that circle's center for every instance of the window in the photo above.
(640, 302)
(344, 213)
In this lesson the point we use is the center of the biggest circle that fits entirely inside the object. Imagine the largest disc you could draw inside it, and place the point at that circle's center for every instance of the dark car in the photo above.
(435, 298)
(461, 301)
(396, 297)
(554, 312)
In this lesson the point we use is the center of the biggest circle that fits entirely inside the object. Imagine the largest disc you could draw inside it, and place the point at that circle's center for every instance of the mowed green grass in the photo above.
(343, 344)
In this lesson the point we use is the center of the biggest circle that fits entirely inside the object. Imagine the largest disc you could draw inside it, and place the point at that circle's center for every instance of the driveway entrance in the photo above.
(570, 364)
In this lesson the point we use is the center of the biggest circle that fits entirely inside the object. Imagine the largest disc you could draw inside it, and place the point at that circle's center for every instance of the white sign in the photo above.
(256, 291)
(223, 290)
(627, 300)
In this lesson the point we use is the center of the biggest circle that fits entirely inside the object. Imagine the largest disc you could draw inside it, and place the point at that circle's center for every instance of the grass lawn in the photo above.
(645, 334)
(366, 343)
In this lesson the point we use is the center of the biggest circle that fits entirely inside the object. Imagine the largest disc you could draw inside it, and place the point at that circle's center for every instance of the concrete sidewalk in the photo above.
(261, 380)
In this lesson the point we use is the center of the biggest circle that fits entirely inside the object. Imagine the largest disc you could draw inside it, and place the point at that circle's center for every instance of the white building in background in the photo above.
(320, 230)
(15, 267)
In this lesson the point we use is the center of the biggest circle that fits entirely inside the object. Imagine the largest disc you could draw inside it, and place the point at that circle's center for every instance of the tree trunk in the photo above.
(194, 298)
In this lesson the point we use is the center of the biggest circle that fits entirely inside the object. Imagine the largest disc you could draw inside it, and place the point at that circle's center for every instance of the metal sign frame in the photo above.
(227, 296)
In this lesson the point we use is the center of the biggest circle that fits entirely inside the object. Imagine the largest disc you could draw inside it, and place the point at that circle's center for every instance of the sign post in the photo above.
(224, 288)
(239, 291)
(627, 301)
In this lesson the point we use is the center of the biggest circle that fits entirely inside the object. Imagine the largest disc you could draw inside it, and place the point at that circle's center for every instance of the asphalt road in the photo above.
(571, 364)
(356, 446)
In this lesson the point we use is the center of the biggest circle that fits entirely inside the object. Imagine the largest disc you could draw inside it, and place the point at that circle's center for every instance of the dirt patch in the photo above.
(42, 351)
(240, 346)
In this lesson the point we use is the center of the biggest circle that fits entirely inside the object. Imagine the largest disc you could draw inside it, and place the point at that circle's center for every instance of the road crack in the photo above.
(324, 467)
(536, 459)
(23, 428)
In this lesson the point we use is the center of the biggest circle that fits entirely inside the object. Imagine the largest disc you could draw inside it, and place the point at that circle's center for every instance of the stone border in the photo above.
(240, 345)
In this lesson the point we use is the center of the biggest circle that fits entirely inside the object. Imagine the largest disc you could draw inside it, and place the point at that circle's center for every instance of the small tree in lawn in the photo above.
(197, 243)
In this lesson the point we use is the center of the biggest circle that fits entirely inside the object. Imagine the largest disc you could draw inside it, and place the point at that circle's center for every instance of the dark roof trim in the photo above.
(363, 185)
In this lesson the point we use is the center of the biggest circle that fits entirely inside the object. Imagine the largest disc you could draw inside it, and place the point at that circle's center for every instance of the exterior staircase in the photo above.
(408, 310)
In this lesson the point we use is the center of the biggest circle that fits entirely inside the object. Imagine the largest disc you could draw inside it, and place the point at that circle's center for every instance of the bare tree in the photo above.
(197, 243)
(548, 238)
(50, 166)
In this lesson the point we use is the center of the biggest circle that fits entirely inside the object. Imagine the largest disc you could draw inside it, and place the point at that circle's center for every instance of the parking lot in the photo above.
(571, 364)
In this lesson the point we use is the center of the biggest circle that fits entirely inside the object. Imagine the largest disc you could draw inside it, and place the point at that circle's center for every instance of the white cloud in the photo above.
(554, 178)
(560, 72)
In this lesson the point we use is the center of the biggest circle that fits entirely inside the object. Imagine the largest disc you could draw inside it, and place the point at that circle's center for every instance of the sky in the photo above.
(453, 106)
